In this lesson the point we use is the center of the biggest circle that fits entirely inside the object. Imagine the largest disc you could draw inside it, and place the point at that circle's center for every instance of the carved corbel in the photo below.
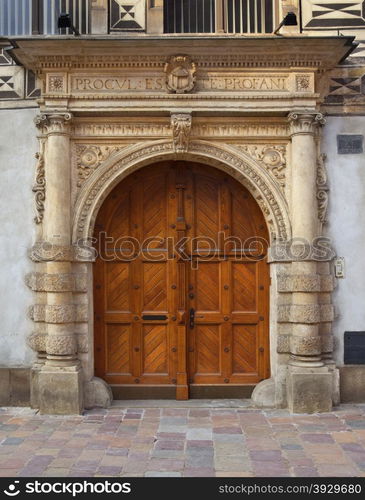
(181, 128)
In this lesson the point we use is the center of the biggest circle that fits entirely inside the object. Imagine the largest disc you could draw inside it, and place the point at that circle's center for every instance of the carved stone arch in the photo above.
(236, 163)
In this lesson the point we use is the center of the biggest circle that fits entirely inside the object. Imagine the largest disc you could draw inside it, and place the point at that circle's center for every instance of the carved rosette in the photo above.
(322, 188)
(53, 123)
(305, 123)
(89, 158)
(39, 187)
(272, 157)
(181, 128)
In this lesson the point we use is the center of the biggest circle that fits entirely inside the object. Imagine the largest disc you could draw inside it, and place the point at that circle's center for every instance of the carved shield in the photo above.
(180, 74)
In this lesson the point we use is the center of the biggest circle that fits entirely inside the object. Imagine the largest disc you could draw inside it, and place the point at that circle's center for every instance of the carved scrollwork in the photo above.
(39, 187)
(322, 188)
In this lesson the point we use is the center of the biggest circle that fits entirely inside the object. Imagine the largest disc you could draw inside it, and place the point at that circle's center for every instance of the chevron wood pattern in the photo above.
(244, 349)
(207, 291)
(207, 208)
(244, 286)
(154, 286)
(118, 349)
(117, 283)
(155, 349)
(208, 343)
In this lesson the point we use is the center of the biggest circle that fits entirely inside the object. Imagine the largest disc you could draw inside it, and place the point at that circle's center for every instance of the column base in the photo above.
(309, 390)
(60, 390)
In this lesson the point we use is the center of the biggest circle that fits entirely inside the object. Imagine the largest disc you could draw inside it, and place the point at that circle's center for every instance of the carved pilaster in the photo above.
(305, 123)
(181, 128)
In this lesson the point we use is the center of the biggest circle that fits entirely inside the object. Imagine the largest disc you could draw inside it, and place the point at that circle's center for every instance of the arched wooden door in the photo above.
(181, 285)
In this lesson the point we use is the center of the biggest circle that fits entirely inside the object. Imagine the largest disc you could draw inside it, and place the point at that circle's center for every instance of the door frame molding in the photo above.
(235, 162)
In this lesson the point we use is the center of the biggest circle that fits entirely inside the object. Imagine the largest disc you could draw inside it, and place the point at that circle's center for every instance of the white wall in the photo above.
(18, 145)
(346, 226)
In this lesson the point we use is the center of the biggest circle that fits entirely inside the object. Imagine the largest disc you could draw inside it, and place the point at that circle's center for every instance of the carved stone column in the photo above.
(309, 382)
(59, 381)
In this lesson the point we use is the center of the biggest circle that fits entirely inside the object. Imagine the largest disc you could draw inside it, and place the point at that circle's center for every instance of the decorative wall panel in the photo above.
(333, 14)
(127, 15)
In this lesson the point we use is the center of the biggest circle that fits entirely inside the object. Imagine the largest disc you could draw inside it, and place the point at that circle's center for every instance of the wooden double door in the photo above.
(181, 286)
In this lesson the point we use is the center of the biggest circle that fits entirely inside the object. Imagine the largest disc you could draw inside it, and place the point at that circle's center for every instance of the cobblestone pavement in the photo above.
(183, 441)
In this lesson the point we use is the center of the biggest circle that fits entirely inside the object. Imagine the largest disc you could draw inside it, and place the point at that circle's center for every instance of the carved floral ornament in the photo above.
(272, 157)
(90, 157)
(237, 164)
(322, 188)
(39, 187)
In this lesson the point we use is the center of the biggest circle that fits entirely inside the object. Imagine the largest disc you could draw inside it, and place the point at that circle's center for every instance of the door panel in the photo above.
(144, 292)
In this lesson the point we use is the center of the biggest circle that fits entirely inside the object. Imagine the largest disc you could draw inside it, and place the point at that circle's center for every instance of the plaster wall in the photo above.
(346, 228)
(18, 144)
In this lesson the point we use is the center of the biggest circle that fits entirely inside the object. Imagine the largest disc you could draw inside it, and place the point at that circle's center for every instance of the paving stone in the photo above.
(199, 434)
(169, 445)
(199, 472)
(168, 454)
(109, 470)
(266, 455)
(227, 442)
(163, 474)
(227, 430)
(12, 441)
(317, 438)
(305, 472)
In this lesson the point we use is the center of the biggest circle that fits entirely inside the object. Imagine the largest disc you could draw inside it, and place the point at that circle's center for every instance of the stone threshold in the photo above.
(190, 403)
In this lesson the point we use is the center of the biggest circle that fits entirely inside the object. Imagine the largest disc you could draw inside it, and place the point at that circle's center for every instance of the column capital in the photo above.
(305, 123)
(54, 123)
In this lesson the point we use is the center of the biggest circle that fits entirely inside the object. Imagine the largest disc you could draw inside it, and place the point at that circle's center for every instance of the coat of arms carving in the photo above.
(180, 74)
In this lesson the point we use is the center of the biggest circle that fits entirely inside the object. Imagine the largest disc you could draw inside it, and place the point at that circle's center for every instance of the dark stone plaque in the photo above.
(350, 144)
(354, 344)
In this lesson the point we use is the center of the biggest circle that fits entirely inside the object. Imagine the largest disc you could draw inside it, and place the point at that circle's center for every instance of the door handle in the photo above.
(191, 318)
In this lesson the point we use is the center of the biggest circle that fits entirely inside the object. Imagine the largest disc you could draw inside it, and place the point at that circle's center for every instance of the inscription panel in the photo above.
(206, 82)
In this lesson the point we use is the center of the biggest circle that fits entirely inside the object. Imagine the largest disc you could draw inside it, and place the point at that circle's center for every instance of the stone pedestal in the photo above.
(309, 390)
(60, 390)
